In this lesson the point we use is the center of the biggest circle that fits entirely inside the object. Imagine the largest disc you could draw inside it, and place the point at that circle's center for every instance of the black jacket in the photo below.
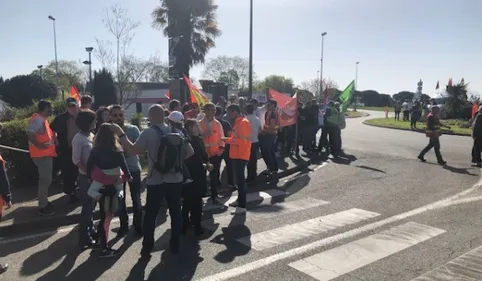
(59, 126)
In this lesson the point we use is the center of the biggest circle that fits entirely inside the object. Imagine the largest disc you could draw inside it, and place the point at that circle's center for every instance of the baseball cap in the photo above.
(176, 117)
(71, 100)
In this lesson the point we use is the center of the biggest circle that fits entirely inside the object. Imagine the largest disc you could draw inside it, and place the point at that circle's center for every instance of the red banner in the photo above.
(287, 107)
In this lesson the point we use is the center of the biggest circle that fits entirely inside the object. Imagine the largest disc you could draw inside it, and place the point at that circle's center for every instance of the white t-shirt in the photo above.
(255, 127)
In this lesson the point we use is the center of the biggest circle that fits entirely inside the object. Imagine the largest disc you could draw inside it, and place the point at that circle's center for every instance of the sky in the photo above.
(397, 42)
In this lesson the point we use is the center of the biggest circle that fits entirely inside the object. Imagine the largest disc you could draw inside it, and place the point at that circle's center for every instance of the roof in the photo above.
(152, 86)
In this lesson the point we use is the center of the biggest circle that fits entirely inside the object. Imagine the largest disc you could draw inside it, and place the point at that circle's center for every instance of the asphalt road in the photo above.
(379, 214)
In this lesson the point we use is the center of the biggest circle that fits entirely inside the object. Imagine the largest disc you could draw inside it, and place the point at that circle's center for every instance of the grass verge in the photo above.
(373, 108)
(455, 128)
(353, 114)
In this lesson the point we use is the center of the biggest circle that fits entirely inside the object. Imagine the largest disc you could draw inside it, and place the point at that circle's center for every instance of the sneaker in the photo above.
(109, 253)
(421, 158)
(46, 211)
(239, 211)
(442, 162)
(3, 268)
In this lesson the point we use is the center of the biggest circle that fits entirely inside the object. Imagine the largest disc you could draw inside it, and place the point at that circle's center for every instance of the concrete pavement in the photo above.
(378, 214)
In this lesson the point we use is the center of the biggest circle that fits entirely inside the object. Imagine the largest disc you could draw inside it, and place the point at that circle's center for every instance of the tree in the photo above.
(193, 22)
(456, 100)
(23, 90)
(129, 69)
(279, 83)
(70, 73)
(103, 88)
(403, 95)
(313, 85)
(232, 71)
(121, 26)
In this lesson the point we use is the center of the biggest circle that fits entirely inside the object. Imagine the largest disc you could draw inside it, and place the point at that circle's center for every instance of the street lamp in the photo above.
(89, 63)
(55, 48)
(250, 76)
(321, 66)
(318, 84)
(356, 81)
(41, 72)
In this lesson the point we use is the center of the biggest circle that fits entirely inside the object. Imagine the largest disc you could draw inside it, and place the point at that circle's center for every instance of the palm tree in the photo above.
(456, 100)
(194, 23)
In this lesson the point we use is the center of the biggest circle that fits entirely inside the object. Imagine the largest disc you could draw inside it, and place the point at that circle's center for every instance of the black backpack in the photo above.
(170, 158)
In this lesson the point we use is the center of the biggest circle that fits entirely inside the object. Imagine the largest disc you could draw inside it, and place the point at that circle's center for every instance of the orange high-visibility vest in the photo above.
(212, 134)
(47, 137)
(268, 121)
(240, 140)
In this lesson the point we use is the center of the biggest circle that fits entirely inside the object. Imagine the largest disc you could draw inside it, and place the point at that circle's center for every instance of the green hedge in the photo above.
(19, 164)
(13, 113)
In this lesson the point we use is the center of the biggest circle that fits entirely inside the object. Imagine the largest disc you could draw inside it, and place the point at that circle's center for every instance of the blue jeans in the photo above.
(86, 225)
(135, 190)
(155, 195)
(239, 167)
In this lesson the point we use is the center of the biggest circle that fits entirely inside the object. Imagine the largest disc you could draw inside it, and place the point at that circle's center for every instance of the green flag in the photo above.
(346, 95)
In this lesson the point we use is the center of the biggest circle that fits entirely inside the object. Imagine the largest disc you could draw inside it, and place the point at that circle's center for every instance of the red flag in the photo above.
(287, 107)
(438, 86)
(475, 108)
(196, 95)
(168, 94)
(450, 82)
(75, 93)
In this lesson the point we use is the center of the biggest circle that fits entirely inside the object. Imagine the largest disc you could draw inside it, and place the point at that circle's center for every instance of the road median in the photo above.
(391, 123)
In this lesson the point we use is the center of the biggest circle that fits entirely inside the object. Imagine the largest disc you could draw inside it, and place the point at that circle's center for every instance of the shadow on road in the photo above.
(227, 238)
(370, 168)
(463, 171)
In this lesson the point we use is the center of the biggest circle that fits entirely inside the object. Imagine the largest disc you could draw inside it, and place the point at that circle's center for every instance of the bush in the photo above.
(14, 113)
(19, 164)
(136, 120)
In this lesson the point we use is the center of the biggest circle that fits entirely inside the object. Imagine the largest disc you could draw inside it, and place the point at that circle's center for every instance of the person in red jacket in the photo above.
(5, 196)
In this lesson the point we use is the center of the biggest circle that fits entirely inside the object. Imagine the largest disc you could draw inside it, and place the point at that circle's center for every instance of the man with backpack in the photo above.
(166, 149)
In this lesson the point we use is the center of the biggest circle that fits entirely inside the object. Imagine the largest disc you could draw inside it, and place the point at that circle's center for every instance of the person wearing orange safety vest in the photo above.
(433, 132)
(212, 134)
(42, 149)
(239, 152)
(267, 137)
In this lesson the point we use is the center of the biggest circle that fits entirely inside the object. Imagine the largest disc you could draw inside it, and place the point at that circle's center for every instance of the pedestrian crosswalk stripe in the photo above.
(261, 196)
(346, 258)
(293, 232)
(264, 212)
(467, 267)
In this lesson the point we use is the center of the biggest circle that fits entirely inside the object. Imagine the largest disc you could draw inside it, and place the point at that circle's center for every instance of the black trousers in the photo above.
(474, 153)
(478, 150)
(323, 142)
(192, 204)
(253, 163)
(397, 115)
(70, 172)
(229, 165)
(215, 174)
(435, 144)
(155, 194)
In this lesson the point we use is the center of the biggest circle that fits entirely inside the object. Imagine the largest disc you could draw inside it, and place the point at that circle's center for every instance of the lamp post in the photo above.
(55, 49)
(356, 81)
(250, 76)
(321, 64)
(318, 84)
(89, 63)
(41, 72)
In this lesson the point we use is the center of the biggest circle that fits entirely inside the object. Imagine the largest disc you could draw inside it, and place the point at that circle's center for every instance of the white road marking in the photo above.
(336, 262)
(263, 196)
(294, 232)
(467, 267)
(242, 269)
(263, 213)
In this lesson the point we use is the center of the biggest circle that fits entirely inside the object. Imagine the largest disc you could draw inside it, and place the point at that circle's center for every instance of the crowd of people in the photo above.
(184, 146)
